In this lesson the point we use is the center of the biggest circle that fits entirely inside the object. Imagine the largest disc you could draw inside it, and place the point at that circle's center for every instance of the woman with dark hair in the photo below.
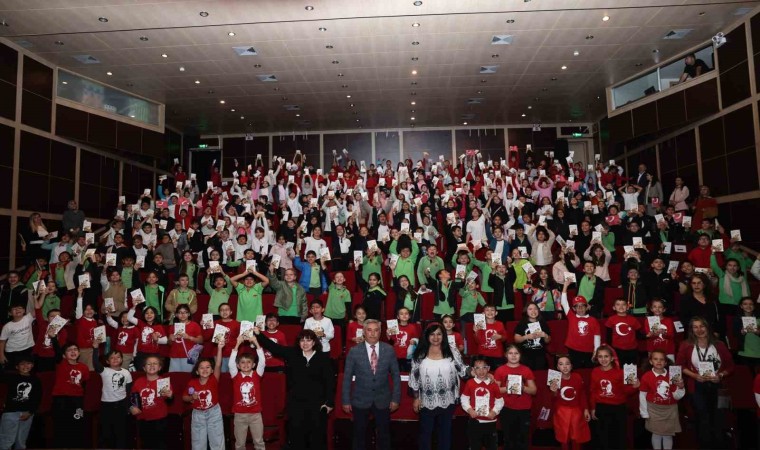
(700, 302)
(705, 361)
(311, 388)
(436, 369)
(705, 207)
(653, 194)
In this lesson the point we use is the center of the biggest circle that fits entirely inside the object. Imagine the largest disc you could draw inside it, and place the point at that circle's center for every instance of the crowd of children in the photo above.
(497, 252)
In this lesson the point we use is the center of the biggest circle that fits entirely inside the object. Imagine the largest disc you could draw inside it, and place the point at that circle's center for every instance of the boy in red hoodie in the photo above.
(482, 401)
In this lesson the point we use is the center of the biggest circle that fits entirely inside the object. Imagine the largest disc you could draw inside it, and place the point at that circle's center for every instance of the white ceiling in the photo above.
(372, 40)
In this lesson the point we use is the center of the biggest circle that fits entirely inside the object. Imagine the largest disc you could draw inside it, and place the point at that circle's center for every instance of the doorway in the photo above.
(200, 164)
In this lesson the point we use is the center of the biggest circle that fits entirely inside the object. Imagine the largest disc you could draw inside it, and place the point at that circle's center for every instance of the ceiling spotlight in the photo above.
(415, 58)
(605, 18)
(351, 105)
(181, 68)
(58, 42)
(336, 61)
(357, 120)
(417, 3)
(258, 66)
(329, 47)
(589, 37)
(416, 24)
(203, 14)
(309, 8)
(348, 96)
(242, 117)
(494, 55)
(103, 19)
(65, 82)
(197, 81)
(412, 111)
(411, 125)
(411, 118)
(510, 20)
(655, 51)
(232, 110)
(523, 114)
(530, 107)
(464, 123)
(340, 75)
(231, 33)
(415, 43)
(479, 92)
(109, 73)
(298, 115)
(563, 67)
(414, 83)
(576, 53)
(210, 91)
(322, 29)
(413, 103)
(414, 72)
(164, 55)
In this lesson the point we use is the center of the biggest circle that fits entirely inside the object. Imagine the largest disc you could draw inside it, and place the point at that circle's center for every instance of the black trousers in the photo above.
(307, 425)
(580, 360)
(153, 433)
(534, 359)
(382, 427)
(290, 320)
(515, 425)
(113, 424)
(481, 435)
(627, 356)
(611, 426)
(68, 422)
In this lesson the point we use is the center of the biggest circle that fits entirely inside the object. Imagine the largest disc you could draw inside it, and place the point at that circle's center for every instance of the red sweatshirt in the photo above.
(623, 331)
(607, 387)
(662, 342)
(487, 345)
(475, 392)
(571, 393)
(403, 340)
(581, 332)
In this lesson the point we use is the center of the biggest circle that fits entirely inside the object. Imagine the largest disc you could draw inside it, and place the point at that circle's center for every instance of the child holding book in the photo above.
(660, 330)
(490, 337)
(621, 332)
(274, 363)
(404, 339)
(533, 334)
(43, 347)
(374, 297)
(246, 393)
(184, 335)
(151, 334)
(747, 331)
(250, 304)
(23, 397)
(149, 396)
(85, 324)
(454, 337)
(207, 425)
(210, 332)
(183, 294)
(338, 301)
(583, 331)
(321, 326)
(517, 385)
(117, 382)
(355, 329)
(659, 394)
(220, 293)
(571, 414)
(609, 392)
(68, 394)
(127, 335)
(483, 402)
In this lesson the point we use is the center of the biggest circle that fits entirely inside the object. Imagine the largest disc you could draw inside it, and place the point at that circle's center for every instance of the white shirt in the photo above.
(324, 324)
(314, 245)
(369, 350)
(114, 384)
(477, 228)
(18, 335)
(631, 201)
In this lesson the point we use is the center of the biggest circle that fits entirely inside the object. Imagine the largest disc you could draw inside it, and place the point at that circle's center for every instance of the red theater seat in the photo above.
(273, 409)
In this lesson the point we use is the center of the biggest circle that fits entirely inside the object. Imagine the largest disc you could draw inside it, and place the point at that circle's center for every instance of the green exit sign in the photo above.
(203, 146)
(577, 135)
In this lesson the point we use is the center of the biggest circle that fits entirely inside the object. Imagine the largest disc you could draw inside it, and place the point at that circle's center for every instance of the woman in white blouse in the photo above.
(436, 369)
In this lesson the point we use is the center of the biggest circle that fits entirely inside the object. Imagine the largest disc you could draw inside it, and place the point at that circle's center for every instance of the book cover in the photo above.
(163, 384)
(736, 235)
(534, 327)
(514, 384)
(99, 334)
(358, 257)
(706, 368)
(674, 373)
(84, 280)
(629, 373)
(179, 328)
(461, 271)
(749, 324)
(480, 320)
(261, 320)
(654, 323)
(109, 304)
(276, 259)
(207, 321)
(569, 276)
(392, 326)
(220, 334)
(57, 323)
(528, 268)
(110, 259)
(553, 376)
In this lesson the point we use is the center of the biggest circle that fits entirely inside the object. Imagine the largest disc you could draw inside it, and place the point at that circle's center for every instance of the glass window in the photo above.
(635, 89)
(107, 99)
(670, 74)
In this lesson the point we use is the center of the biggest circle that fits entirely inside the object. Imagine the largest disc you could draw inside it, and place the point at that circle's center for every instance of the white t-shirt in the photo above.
(326, 325)
(114, 384)
(631, 201)
(477, 229)
(18, 335)
(313, 245)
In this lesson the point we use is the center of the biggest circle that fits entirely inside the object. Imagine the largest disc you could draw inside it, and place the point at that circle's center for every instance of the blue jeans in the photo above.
(13, 430)
(429, 419)
(207, 428)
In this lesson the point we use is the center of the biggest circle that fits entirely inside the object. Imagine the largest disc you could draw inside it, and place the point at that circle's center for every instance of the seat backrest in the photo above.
(559, 334)
(291, 332)
(93, 390)
(179, 382)
(336, 344)
(273, 395)
(225, 393)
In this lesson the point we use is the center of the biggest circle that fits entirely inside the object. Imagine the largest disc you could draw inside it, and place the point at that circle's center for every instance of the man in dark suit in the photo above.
(370, 363)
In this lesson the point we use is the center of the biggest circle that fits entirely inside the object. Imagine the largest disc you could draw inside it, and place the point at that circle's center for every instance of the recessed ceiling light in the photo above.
(479, 92)
(416, 24)
(530, 107)
(598, 97)
(413, 93)
(309, 8)
(109, 73)
(344, 86)
(103, 19)
(340, 75)
(65, 82)
(701, 13)
(655, 51)
(464, 123)
(58, 42)
(494, 55)
(242, 117)
(510, 20)
(415, 43)
(576, 53)
(231, 33)
(417, 3)
(589, 37)
(164, 55)
(351, 105)
(329, 47)
(415, 58)
(412, 111)
(181, 68)
(484, 81)
(232, 110)
(210, 91)
(132, 116)
(563, 67)
(298, 115)
(554, 78)
(523, 114)
(358, 120)
(413, 103)
(336, 61)
(411, 118)
(197, 81)
(203, 14)
(322, 29)
(414, 72)
(348, 96)
(144, 38)
(605, 18)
